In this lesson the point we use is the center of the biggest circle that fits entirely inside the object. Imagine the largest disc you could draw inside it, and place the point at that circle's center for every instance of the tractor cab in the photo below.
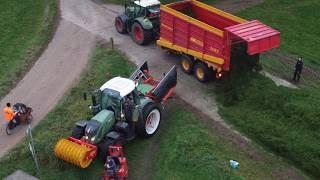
(118, 95)
(142, 8)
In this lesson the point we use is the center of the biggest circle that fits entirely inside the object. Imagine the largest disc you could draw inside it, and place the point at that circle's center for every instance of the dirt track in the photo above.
(51, 76)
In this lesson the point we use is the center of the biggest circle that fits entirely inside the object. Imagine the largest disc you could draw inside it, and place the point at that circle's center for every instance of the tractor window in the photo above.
(139, 11)
(92, 128)
(154, 9)
(110, 100)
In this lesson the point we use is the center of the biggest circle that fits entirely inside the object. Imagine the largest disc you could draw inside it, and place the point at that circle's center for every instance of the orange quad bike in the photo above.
(23, 116)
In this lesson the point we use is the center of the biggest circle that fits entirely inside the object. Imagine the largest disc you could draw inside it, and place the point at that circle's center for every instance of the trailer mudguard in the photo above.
(164, 88)
(145, 23)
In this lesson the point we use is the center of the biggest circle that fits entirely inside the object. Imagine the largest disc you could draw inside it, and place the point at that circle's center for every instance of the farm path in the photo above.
(57, 69)
(52, 75)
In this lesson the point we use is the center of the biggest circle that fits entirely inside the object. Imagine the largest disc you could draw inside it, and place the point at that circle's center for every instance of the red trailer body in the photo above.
(207, 34)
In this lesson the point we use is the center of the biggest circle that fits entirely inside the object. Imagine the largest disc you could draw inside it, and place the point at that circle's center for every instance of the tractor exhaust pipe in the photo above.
(95, 106)
(94, 100)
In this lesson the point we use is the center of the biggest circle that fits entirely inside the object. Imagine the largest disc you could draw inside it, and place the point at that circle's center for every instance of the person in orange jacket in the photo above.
(9, 114)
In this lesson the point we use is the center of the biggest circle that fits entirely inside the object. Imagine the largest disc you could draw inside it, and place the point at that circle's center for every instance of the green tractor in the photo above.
(141, 20)
(122, 108)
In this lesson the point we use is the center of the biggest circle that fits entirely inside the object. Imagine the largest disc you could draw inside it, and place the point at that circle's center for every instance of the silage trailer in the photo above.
(205, 36)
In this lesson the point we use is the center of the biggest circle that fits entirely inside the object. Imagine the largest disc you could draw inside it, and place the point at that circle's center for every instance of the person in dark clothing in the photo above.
(110, 167)
(298, 70)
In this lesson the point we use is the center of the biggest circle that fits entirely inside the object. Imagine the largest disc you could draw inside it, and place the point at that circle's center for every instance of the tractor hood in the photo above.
(99, 125)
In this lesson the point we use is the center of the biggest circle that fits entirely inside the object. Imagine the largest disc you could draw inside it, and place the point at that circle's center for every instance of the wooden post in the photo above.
(112, 45)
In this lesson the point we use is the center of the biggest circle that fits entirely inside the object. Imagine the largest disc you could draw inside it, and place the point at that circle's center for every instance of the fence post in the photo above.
(112, 43)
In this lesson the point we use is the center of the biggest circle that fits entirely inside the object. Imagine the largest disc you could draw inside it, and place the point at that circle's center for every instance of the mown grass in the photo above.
(298, 22)
(183, 148)
(25, 28)
(283, 120)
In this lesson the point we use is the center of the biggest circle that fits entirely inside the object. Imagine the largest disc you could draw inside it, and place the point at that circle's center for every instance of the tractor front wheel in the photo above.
(149, 123)
(139, 35)
(120, 25)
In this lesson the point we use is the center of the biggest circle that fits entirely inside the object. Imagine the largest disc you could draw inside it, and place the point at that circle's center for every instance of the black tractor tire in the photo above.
(140, 35)
(187, 64)
(103, 148)
(121, 26)
(141, 124)
(202, 72)
(78, 132)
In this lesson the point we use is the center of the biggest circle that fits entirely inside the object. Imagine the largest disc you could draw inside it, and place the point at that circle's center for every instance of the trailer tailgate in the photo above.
(259, 37)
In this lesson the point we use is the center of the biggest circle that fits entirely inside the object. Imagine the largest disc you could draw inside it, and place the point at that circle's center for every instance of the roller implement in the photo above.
(122, 109)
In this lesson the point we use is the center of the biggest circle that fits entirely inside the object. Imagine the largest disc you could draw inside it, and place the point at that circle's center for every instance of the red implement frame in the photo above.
(150, 80)
(93, 149)
(116, 151)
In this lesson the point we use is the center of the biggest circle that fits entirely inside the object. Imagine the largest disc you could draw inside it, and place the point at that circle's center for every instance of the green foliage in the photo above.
(24, 29)
(298, 22)
(188, 151)
(283, 120)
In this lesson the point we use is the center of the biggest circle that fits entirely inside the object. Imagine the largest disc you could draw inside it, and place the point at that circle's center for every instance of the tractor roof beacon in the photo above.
(122, 108)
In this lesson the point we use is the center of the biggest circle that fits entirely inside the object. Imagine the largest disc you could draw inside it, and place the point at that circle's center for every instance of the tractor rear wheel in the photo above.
(120, 25)
(78, 132)
(149, 123)
(202, 72)
(103, 148)
(187, 64)
(139, 35)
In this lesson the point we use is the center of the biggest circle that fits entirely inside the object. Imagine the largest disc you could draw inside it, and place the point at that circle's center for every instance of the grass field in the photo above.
(298, 22)
(283, 120)
(25, 28)
(183, 148)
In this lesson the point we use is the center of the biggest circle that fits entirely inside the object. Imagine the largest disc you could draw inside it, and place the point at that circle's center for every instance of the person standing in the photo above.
(298, 70)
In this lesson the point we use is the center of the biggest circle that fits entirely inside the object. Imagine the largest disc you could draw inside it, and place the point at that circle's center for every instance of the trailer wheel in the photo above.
(120, 25)
(139, 35)
(103, 148)
(202, 72)
(187, 64)
(149, 123)
(78, 132)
